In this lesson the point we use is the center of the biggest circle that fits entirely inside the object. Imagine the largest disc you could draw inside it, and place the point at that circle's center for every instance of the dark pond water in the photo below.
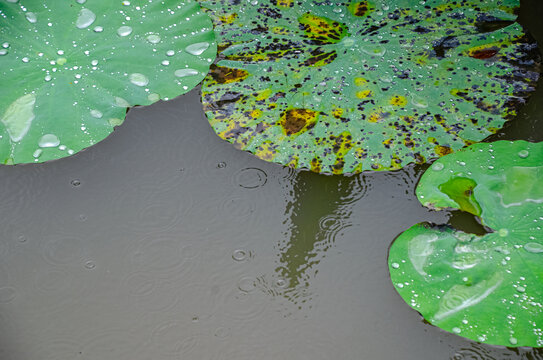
(164, 242)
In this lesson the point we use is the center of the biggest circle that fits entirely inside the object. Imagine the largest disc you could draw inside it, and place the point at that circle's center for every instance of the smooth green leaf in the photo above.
(487, 288)
(342, 87)
(70, 69)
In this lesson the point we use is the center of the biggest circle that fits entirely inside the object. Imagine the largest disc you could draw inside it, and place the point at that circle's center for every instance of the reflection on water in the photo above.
(477, 351)
(313, 221)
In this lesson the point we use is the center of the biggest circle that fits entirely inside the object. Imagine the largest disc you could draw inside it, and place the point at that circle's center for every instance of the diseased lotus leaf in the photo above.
(70, 69)
(487, 288)
(342, 87)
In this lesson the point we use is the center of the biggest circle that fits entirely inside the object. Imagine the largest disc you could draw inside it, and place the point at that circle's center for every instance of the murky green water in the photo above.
(164, 242)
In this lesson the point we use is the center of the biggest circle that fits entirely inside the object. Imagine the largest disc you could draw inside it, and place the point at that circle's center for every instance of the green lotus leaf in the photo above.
(342, 87)
(70, 69)
(487, 288)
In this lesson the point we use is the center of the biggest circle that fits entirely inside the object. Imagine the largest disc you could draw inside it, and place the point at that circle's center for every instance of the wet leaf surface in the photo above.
(69, 70)
(342, 87)
(487, 288)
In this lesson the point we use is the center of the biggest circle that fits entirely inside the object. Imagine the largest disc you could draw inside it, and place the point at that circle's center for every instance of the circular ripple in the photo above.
(250, 178)
(330, 226)
(59, 349)
(162, 254)
(472, 354)
(7, 294)
(112, 344)
(242, 305)
(238, 207)
(151, 293)
(19, 188)
(61, 249)
(153, 211)
(53, 280)
(175, 338)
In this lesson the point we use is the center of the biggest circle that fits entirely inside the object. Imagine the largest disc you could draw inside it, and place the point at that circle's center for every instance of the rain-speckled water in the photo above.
(164, 242)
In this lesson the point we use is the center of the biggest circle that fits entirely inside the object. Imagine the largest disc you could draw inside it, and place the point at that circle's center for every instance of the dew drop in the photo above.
(124, 31)
(513, 341)
(47, 78)
(37, 153)
(25, 59)
(48, 141)
(80, 1)
(153, 97)
(521, 289)
(31, 17)
(456, 330)
(96, 114)
(94, 62)
(186, 72)
(438, 166)
(197, 48)
(165, 62)
(395, 265)
(19, 116)
(98, 29)
(503, 232)
(61, 61)
(5, 45)
(120, 102)
(138, 79)
(533, 248)
(3, 52)
(115, 121)
(153, 38)
(523, 154)
(85, 19)
(170, 53)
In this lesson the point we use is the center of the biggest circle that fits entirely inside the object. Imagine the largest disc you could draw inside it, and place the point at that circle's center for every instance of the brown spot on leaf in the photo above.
(226, 75)
(443, 150)
(295, 121)
(483, 53)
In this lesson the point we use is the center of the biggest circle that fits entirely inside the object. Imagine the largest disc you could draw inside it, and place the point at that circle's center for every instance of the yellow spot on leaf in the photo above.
(364, 94)
(398, 100)
(360, 81)
(267, 151)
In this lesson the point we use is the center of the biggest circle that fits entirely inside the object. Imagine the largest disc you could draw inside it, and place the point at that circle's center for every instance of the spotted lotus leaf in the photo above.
(342, 87)
(487, 288)
(70, 69)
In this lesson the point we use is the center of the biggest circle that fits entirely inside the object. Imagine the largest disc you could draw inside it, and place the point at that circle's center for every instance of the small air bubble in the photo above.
(75, 182)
